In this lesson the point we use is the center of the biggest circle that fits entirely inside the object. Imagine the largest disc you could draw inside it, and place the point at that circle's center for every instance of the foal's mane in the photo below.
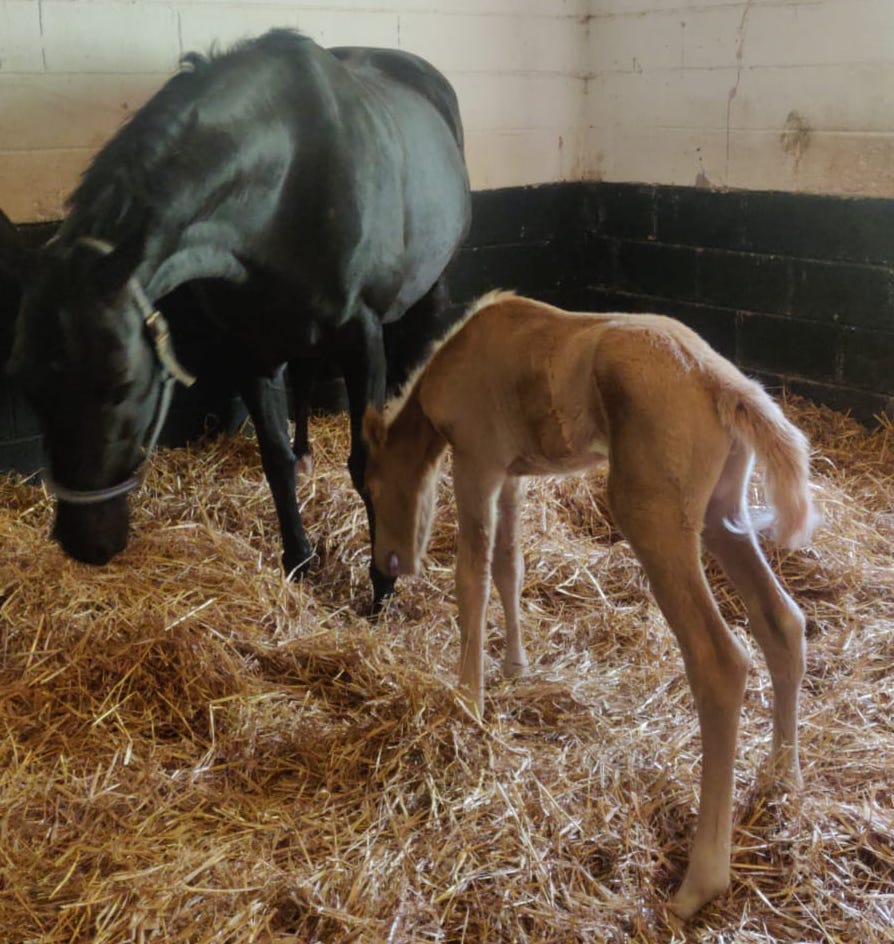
(120, 188)
(396, 403)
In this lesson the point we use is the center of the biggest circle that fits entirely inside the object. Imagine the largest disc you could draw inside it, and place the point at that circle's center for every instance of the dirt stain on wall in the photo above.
(795, 137)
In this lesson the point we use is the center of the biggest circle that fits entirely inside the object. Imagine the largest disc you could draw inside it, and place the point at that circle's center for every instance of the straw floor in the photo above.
(195, 750)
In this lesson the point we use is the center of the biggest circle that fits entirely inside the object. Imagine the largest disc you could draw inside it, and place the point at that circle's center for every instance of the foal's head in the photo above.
(402, 470)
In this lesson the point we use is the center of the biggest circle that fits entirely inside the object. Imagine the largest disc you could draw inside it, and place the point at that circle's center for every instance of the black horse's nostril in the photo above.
(393, 565)
(87, 552)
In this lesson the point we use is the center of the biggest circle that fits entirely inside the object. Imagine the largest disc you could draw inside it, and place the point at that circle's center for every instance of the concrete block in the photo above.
(69, 110)
(834, 163)
(512, 158)
(496, 43)
(20, 44)
(854, 97)
(35, 183)
(830, 31)
(507, 101)
(232, 22)
(635, 43)
(106, 37)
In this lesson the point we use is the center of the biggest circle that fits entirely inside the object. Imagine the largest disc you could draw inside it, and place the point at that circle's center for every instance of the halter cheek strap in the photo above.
(172, 371)
(95, 496)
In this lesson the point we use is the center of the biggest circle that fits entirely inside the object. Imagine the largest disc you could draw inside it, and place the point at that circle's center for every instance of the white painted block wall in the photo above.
(765, 94)
(72, 70)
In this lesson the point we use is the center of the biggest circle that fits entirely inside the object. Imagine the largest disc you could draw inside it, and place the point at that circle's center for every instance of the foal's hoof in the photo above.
(513, 669)
(383, 587)
(472, 705)
(781, 773)
(696, 892)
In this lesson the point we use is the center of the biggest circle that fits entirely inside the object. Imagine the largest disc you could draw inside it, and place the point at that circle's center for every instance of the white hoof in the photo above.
(697, 891)
(514, 669)
(470, 704)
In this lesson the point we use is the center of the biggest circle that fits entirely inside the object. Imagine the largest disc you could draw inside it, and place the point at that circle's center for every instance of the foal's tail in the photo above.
(749, 414)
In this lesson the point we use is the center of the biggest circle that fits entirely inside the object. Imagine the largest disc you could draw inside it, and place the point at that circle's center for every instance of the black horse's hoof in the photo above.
(383, 587)
(297, 565)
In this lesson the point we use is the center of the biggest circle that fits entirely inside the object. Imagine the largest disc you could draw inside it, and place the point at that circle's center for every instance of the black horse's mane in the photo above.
(119, 189)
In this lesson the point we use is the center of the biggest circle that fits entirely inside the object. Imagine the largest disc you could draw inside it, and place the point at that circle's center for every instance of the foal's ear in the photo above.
(374, 429)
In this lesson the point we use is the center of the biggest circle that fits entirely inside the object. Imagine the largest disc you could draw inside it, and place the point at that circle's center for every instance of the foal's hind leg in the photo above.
(775, 621)
(508, 569)
(647, 507)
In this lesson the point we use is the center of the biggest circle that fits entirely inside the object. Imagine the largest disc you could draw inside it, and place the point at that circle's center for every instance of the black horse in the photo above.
(311, 198)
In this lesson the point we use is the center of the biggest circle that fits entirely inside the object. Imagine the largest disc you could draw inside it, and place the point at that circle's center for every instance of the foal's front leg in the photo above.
(476, 501)
(508, 570)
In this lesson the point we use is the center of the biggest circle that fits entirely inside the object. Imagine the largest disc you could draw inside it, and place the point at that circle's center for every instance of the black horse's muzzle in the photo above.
(93, 534)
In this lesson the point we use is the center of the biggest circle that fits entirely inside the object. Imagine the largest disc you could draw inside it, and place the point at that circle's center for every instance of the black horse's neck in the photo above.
(145, 188)
(163, 252)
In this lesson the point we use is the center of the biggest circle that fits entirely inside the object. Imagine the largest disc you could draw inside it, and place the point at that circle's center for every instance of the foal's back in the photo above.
(538, 388)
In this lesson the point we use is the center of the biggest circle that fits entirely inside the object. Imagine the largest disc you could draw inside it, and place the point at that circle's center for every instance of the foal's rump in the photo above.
(673, 386)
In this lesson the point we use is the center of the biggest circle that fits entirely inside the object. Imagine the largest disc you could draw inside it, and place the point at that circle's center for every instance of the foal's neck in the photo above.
(412, 426)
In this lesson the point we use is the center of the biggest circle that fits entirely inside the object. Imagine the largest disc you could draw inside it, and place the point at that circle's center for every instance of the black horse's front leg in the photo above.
(265, 399)
(363, 365)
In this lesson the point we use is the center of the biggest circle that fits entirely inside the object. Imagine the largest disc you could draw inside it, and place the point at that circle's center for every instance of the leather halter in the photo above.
(172, 371)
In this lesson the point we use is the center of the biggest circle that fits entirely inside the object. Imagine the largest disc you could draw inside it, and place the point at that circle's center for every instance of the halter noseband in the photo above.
(172, 371)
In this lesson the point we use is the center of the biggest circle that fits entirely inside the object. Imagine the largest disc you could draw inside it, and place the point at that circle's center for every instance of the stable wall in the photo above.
(72, 70)
(791, 95)
(641, 116)
(787, 95)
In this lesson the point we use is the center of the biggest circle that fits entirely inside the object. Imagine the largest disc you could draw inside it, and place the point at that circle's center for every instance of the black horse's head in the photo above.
(86, 354)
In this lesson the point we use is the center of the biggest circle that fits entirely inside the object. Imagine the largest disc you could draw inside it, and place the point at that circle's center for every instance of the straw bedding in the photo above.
(195, 750)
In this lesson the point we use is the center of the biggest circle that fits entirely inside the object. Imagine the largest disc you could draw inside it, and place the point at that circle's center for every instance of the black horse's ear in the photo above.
(103, 265)
(374, 429)
(110, 272)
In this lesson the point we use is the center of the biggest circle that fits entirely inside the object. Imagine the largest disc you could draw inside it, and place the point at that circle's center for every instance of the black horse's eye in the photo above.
(120, 392)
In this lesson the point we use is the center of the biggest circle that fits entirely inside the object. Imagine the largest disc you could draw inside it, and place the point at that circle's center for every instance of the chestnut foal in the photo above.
(520, 388)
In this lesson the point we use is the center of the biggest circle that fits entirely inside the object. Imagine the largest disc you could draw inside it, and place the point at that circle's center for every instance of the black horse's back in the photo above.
(413, 71)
